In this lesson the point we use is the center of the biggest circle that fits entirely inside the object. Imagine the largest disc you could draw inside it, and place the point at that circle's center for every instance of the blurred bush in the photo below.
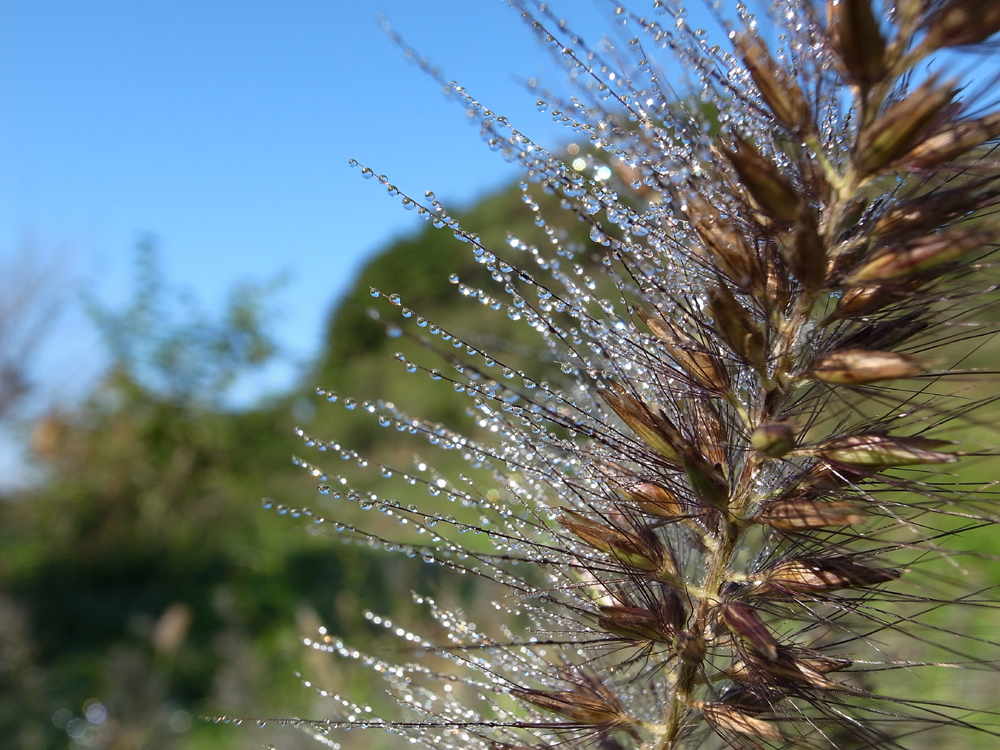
(141, 585)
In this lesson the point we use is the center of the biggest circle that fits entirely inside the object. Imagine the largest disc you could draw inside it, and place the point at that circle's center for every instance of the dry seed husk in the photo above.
(902, 126)
(737, 326)
(953, 141)
(865, 300)
(857, 39)
(773, 191)
(779, 672)
(633, 623)
(658, 432)
(725, 718)
(583, 708)
(814, 575)
(754, 698)
(708, 481)
(924, 213)
(702, 366)
(640, 552)
(858, 367)
(744, 622)
(653, 499)
(885, 334)
(960, 22)
(921, 257)
(799, 665)
(775, 294)
(822, 476)
(803, 514)
(882, 451)
(709, 434)
(779, 90)
(821, 662)
(788, 668)
(806, 253)
(671, 608)
(723, 241)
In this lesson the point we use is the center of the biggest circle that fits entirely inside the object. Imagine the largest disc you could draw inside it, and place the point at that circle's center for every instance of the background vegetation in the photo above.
(142, 585)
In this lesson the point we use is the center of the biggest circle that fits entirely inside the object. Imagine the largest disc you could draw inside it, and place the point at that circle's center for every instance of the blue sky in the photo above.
(224, 129)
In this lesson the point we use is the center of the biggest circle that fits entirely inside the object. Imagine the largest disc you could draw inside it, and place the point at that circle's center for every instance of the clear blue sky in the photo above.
(224, 129)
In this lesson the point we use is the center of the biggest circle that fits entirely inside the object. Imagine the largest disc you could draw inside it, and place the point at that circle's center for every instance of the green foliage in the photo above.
(193, 357)
(143, 560)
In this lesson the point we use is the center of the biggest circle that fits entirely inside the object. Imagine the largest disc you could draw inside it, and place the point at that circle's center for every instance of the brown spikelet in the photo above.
(806, 252)
(855, 35)
(924, 213)
(634, 623)
(953, 141)
(724, 718)
(708, 480)
(651, 425)
(737, 327)
(882, 451)
(923, 256)
(744, 622)
(902, 126)
(803, 514)
(815, 575)
(788, 671)
(770, 188)
(726, 245)
(776, 291)
(639, 551)
(702, 366)
(708, 434)
(859, 367)
(960, 22)
(578, 706)
(653, 499)
(780, 91)
(865, 300)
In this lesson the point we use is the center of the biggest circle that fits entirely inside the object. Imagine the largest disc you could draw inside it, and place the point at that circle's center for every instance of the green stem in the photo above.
(682, 694)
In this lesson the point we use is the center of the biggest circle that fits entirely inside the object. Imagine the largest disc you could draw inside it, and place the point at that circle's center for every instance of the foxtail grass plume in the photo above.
(744, 511)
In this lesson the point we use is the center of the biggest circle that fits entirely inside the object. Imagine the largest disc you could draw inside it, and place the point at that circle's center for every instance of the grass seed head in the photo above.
(725, 501)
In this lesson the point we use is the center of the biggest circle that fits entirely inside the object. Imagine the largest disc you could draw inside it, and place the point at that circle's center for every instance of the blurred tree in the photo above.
(191, 358)
(28, 305)
(140, 584)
